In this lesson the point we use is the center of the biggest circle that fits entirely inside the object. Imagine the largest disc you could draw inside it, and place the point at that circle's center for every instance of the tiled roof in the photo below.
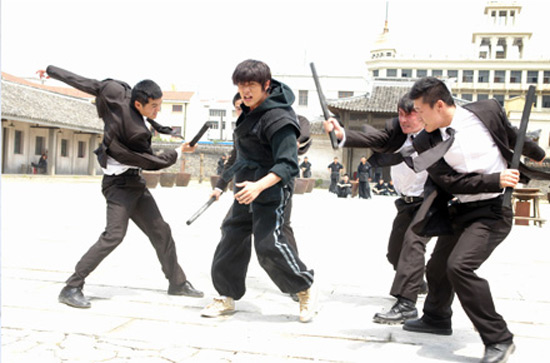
(34, 105)
(68, 91)
(382, 99)
(177, 96)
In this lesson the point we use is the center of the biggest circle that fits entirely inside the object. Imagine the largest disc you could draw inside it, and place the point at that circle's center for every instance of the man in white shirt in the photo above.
(124, 151)
(474, 170)
(406, 249)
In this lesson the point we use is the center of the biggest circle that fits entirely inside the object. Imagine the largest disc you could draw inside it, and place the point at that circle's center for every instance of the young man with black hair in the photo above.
(406, 248)
(265, 140)
(475, 170)
(305, 166)
(123, 153)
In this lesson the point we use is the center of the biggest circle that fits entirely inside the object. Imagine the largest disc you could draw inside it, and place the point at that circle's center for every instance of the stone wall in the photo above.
(206, 154)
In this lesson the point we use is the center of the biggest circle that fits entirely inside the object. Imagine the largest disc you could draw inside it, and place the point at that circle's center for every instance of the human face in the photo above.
(237, 105)
(410, 122)
(433, 117)
(252, 93)
(151, 109)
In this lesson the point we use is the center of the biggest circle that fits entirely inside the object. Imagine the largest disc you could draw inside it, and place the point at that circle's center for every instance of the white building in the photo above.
(501, 65)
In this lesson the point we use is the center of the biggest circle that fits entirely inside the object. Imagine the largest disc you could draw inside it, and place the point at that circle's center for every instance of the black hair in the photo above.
(145, 90)
(406, 103)
(251, 70)
(236, 98)
(431, 90)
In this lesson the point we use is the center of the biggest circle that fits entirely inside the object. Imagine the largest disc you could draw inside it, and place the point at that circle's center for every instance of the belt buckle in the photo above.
(408, 199)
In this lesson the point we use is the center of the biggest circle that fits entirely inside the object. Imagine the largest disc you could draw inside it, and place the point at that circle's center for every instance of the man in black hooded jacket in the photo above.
(266, 161)
(124, 151)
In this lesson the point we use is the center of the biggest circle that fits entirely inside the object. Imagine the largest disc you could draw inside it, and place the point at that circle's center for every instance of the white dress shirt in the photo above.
(473, 150)
(405, 180)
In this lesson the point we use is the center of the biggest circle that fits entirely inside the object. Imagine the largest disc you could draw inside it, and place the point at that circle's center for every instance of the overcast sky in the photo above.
(194, 45)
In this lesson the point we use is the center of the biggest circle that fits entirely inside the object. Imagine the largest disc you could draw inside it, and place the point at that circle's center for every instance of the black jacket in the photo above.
(126, 138)
(432, 218)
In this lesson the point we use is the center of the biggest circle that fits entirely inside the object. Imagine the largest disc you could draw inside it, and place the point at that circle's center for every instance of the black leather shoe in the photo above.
(184, 289)
(421, 326)
(74, 297)
(498, 353)
(401, 311)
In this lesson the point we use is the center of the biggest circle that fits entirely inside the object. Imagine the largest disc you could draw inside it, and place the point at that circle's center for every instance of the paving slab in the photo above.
(49, 222)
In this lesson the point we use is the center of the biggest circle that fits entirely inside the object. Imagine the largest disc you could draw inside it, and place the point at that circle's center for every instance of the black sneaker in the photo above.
(74, 297)
(400, 312)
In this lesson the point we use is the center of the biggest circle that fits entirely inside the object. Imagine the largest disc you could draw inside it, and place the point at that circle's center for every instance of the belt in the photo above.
(407, 199)
(131, 171)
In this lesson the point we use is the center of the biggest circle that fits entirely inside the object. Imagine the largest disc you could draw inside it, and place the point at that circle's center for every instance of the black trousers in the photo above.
(334, 178)
(479, 228)
(364, 190)
(263, 220)
(128, 198)
(406, 252)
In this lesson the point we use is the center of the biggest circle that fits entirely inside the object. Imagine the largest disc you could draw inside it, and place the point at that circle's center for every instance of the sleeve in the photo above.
(454, 182)
(143, 160)
(285, 155)
(83, 84)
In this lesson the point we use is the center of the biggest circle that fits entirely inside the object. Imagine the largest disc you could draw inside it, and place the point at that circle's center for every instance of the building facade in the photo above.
(501, 65)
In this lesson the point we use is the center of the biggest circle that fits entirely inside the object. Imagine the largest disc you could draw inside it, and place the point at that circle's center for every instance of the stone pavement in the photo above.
(49, 222)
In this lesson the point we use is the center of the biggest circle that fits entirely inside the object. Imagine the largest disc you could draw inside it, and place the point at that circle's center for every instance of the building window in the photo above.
(515, 76)
(345, 94)
(18, 142)
(451, 73)
(81, 149)
(421, 73)
(499, 98)
(391, 73)
(64, 148)
(213, 125)
(217, 113)
(483, 77)
(375, 73)
(467, 76)
(177, 108)
(482, 96)
(546, 101)
(177, 130)
(499, 76)
(39, 145)
(437, 73)
(512, 96)
(467, 96)
(406, 73)
(302, 97)
(532, 77)
(546, 77)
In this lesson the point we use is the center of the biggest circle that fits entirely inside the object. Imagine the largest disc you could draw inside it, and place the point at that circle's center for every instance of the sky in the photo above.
(194, 45)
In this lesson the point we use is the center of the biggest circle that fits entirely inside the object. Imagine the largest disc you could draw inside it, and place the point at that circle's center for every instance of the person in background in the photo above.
(334, 169)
